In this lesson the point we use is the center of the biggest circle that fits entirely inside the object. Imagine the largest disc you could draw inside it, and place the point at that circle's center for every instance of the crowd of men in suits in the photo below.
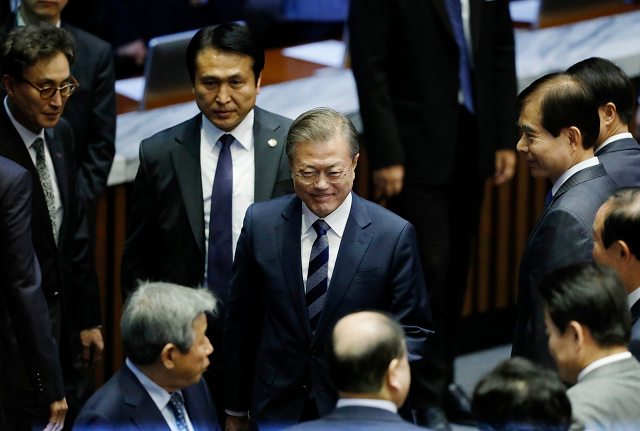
(261, 260)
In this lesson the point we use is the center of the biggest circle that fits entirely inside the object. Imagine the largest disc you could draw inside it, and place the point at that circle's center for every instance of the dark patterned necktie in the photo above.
(318, 273)
(47, 185)
(220, 257)
(464, 70)
(548, 199)
(176, 405)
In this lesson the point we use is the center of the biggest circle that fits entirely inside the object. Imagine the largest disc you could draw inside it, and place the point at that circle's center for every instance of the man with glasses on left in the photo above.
(36, 62)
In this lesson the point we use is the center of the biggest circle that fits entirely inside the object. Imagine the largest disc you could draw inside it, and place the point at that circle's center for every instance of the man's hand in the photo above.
(92, 347)
(136, 50)
(505, 166)
(237, 423)
(388, 181)
(58, 412)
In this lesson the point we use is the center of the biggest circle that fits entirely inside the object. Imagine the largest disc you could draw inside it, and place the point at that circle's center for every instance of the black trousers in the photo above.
(445, 218)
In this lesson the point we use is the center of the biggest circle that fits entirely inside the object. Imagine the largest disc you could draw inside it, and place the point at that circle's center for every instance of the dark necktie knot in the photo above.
(226, 140)
(321, 227)
(38, 145)
(548, 199)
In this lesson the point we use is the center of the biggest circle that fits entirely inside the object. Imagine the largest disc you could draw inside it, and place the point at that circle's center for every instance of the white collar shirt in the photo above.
(571, 171)
(634, 297)
(159, 396)
(367, 402)
(337, 221)
(28, 137)
(625, 135)
(244, 175)
(602, 362)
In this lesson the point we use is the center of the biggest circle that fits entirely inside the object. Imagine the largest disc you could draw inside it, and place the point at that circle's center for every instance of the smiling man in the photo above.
(303, 262)
(36, 65)
(196, 180)
(560, 124)
(159, 387)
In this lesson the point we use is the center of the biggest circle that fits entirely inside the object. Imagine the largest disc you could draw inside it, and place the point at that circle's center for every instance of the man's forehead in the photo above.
(214, 58)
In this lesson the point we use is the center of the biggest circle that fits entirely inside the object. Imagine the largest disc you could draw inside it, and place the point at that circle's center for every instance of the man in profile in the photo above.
(163, 334)
(589, 326)
(518, 394)
(615, 147)
(367, 358)
(616, 237)
(560, 125)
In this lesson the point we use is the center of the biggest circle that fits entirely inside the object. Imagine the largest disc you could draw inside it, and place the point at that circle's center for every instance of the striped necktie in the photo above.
(176, 405)
(318, 274)
(47, 185)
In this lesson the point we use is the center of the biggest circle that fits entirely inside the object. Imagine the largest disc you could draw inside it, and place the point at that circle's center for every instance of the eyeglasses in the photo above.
(333, 177)
(48, 92)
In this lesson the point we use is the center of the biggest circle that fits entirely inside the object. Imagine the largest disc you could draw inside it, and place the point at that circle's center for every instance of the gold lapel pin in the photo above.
(272, 143)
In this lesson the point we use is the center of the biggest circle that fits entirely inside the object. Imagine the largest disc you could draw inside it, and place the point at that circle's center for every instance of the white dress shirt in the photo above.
(337, 221)
(601, 362)
(634, 297)
(28, 137)
(244, 173)
(572, 170)
(613, 139)
(160, 397)
(367, 402)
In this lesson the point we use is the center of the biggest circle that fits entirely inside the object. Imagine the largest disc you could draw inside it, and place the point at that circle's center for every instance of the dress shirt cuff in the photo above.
(238, 414)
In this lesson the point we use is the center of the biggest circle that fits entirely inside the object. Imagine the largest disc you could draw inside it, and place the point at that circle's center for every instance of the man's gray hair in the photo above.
(161, 313)
(319, 126)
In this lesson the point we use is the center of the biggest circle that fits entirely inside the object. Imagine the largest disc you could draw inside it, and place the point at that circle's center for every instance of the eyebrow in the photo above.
(526, 128)
(49, 81)
(305, 165)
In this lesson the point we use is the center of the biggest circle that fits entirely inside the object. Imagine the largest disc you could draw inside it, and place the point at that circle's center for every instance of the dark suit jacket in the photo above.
(123, 404)
(165, 227)
(21, 297)
(69, 279)
(634, 345)
(621, 160)
(563, 235)
(405, 62)
(273, 361)
(358, 418)
(91, 111)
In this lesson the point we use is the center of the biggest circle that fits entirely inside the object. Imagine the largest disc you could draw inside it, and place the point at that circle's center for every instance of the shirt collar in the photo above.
(243, 132)
(572, 170)
(602, 362)
(159, 396)
(28, 137)
(367, 402)
(20, 21)
(614, 138)
(634, 297)
(337, 220)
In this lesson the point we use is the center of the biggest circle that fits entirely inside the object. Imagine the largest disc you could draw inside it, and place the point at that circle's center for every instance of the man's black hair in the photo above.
(623, 220)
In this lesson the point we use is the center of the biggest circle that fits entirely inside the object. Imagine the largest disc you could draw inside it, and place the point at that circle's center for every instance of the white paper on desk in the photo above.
(524, 11)
(133, 88)
(328, 53)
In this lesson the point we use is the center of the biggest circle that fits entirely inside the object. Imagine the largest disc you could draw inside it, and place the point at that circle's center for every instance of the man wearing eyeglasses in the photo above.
(36, 65)
(304, 261)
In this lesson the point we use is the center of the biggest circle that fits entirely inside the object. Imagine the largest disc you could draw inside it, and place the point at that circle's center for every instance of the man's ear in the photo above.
(609, 113)
(577, 334)
(575, 137)
(9, 84)
(391, 376)
(168, 356)
(258, 81)
(624, 252)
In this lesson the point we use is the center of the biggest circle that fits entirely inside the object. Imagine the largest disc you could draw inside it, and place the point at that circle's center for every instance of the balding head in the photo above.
(368, 357)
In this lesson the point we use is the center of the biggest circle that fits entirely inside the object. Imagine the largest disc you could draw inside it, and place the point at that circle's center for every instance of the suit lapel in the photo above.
(353, 246)
(267, 158)
(56, 150)
(288, 237)
(620, 145)
(475, 19)
(186, 159)
(143, 411)
(16, 150)
(579, 177)
(635, 312)
(197, 415)
(440, 7)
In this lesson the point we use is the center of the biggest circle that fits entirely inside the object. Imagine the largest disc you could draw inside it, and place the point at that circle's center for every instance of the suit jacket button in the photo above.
(313, 354)
(56, 293)
(305, 387)
(41, 390)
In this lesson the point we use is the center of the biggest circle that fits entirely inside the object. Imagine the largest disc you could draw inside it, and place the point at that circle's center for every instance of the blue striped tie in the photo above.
(176, 405)
(317, 277)
(548, 199)
(454, 9)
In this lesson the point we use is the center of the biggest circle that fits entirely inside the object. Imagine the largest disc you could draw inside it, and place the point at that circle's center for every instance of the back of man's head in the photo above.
(608, 83)
(157, 314)
(361, 350)
(29, 44)
(227, 37)
(622, 222)
(593, 296)
(565, 101)
(520, 395)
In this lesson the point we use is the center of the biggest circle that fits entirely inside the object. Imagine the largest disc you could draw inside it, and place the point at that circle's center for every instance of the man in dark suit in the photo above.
(92, 110)
(37, 78)
(436, 89)
(367, 358)
(559, 123)
(21, 299)
(231, 155)
(616, 243)
(616, 148)
(301, 264)
(160, 386)
(587, 317)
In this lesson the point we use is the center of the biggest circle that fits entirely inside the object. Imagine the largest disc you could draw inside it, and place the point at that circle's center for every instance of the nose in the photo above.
(56, 100)
(322, 182)
(522, 147)
(223, 94)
